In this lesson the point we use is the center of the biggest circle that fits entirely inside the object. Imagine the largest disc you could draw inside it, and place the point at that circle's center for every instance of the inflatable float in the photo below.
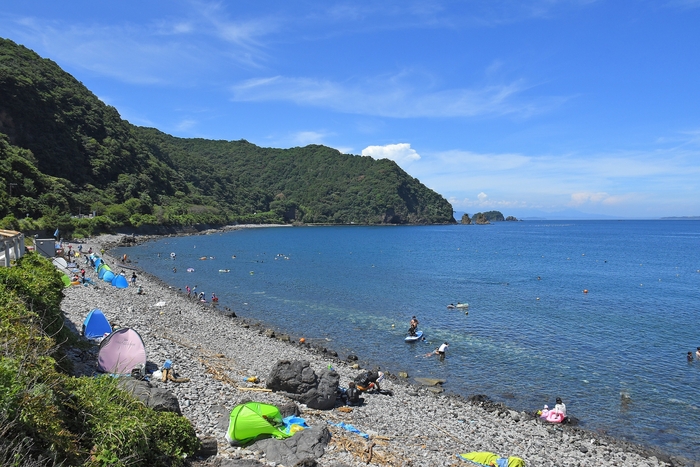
(552, 416)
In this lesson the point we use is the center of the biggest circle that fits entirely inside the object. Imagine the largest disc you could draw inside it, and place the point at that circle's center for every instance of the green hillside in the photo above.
(64, 152)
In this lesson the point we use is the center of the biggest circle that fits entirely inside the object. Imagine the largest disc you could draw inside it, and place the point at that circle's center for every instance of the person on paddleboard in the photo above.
(413, 326)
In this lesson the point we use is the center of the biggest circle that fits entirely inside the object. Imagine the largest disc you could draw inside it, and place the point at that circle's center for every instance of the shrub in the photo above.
(48, 417)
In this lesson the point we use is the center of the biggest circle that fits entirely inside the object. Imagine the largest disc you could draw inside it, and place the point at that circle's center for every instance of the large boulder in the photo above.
(305, 445)
(301, 383)
(158, 399)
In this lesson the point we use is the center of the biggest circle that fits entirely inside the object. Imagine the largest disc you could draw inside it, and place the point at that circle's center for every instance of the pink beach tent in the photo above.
(121, 352)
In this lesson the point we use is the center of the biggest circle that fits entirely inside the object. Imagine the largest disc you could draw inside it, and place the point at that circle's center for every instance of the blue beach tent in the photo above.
(96, 325)
(102, 270)
(120, 282)
(108, 276)
(98, 261)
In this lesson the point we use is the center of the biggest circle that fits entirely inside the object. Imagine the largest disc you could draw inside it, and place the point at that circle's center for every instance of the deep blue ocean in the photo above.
(616, 355)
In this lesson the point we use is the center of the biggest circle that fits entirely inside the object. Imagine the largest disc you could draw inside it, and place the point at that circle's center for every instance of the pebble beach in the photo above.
(419, 425)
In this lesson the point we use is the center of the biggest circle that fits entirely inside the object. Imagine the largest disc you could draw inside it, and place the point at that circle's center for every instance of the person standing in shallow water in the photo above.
(442, 350)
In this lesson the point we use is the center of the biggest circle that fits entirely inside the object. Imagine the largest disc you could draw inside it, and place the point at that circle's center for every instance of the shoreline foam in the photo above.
(422, 427)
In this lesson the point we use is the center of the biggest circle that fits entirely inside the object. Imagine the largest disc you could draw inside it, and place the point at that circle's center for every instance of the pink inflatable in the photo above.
(552, 416)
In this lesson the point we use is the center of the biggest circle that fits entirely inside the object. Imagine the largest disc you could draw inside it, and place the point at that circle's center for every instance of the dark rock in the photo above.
(296, 377)
(240, 463)
(352, 358)
(323, 396)
(583, 449)
(158, 399)
(306, 463)
(300, 381)
(208, 448)
(163, 400)
(289, 409)
(306, 444)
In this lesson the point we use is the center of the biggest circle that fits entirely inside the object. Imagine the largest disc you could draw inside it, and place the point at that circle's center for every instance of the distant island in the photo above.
(681, 218)
(482, 218)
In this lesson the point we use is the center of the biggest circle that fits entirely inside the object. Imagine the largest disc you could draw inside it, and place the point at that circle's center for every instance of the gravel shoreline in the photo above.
(417, 426)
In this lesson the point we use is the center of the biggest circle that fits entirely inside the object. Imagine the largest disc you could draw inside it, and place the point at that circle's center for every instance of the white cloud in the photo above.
(580, 199)
(482, 196)
(577, 199)
(304, 138)
(397, 96)
(400, 153)
(186, 124)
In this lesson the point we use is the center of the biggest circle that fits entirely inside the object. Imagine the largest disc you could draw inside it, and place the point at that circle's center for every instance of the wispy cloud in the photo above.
(394, 96)
(304, 138)
(156, 50)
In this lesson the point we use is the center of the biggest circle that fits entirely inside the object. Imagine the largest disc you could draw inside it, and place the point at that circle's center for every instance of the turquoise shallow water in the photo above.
(524, 341)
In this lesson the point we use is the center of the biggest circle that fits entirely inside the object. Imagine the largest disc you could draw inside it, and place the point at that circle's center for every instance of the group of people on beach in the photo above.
(202, 296)
(367, 381)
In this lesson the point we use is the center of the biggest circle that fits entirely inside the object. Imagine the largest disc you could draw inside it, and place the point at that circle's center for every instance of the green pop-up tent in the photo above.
(252, 420)
(66, 280)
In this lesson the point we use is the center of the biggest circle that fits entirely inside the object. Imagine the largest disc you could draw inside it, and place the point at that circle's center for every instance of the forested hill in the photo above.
(64, 152)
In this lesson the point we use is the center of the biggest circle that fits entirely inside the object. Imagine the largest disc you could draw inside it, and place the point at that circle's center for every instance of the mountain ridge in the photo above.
(64, 152)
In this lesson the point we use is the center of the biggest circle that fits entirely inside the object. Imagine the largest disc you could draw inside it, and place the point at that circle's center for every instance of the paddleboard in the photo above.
(417, 337)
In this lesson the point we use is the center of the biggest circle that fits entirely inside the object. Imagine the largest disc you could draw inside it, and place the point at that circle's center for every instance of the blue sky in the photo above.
(528, 107)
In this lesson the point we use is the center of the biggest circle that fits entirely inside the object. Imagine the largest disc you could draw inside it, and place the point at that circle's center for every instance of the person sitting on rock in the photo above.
(352, 395)
(368, 380)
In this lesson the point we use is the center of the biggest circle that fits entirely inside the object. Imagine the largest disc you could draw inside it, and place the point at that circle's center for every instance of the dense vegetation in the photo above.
(63, 152)
(48, 417)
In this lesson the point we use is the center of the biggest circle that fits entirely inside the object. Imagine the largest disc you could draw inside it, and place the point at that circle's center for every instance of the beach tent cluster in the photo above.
(120, 351)
(105, 273)
(123, 350)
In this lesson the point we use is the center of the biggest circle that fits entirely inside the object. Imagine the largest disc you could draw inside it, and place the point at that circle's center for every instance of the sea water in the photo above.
(599, 313)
